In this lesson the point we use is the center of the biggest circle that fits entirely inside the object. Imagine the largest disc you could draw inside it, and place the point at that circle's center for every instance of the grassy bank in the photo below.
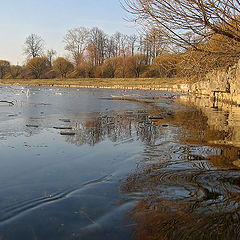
(140, 83)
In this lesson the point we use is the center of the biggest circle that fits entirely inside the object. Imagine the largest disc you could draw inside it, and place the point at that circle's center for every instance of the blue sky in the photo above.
(51, 19)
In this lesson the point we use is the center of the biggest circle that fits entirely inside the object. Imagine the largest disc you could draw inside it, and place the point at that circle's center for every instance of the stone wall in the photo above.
(220, 85)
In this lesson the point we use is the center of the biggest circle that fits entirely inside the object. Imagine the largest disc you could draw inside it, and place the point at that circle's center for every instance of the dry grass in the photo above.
(98, 82)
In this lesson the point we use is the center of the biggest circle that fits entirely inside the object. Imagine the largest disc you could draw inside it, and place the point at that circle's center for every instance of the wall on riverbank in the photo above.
(220, 85)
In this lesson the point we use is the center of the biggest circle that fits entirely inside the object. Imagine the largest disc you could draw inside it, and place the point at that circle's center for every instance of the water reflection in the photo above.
(119, 128)
(188, 186)
(187, 182)
(176, 162)
(222, 118)
(51, 189)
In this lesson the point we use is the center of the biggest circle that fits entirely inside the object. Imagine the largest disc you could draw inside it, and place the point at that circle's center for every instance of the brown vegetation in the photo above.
(205, 32)
(4, 68)
(62, 66)
(189, 23)
(182, 38)
(37, 66)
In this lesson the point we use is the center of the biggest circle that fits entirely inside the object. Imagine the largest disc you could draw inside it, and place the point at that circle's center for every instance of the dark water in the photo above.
(105, 164)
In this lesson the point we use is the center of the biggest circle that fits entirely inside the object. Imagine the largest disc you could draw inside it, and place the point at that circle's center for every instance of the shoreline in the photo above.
(174, 85)
(202, 89)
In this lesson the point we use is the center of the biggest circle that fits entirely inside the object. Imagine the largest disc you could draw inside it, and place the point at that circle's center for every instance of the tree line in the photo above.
(180, 39)
(93, 53)
(207, 32)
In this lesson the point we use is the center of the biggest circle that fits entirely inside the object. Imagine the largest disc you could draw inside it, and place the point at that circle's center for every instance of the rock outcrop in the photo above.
(220, 85)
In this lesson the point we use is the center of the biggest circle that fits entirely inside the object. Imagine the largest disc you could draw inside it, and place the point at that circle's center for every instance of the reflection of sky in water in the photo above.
(55, 186)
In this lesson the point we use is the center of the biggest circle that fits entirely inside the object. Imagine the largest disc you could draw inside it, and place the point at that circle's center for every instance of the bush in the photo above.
(37, 66)
(62, 66)
(164, 66)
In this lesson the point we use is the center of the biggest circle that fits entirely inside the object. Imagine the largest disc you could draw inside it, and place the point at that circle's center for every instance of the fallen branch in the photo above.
(3, 101)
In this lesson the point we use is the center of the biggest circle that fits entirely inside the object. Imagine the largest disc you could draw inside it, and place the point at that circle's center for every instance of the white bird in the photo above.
(27, 93)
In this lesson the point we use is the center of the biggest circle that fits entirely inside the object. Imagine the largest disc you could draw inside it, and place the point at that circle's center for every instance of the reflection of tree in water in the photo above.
(116, 128)
(190, 189)
(195, 130)
(186, 204)
(187, 186)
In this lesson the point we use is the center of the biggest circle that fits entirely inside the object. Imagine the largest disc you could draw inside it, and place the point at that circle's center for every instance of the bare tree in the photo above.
(76, 42)
(153, 44)
(98, 39)
(189, 23)
(110, 47)
(122, 44)
(132, 40)
(33, 46)
(117, 38)
(50, 55)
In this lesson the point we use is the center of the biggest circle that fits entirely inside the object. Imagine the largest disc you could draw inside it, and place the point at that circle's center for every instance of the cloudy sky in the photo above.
(51, 19)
